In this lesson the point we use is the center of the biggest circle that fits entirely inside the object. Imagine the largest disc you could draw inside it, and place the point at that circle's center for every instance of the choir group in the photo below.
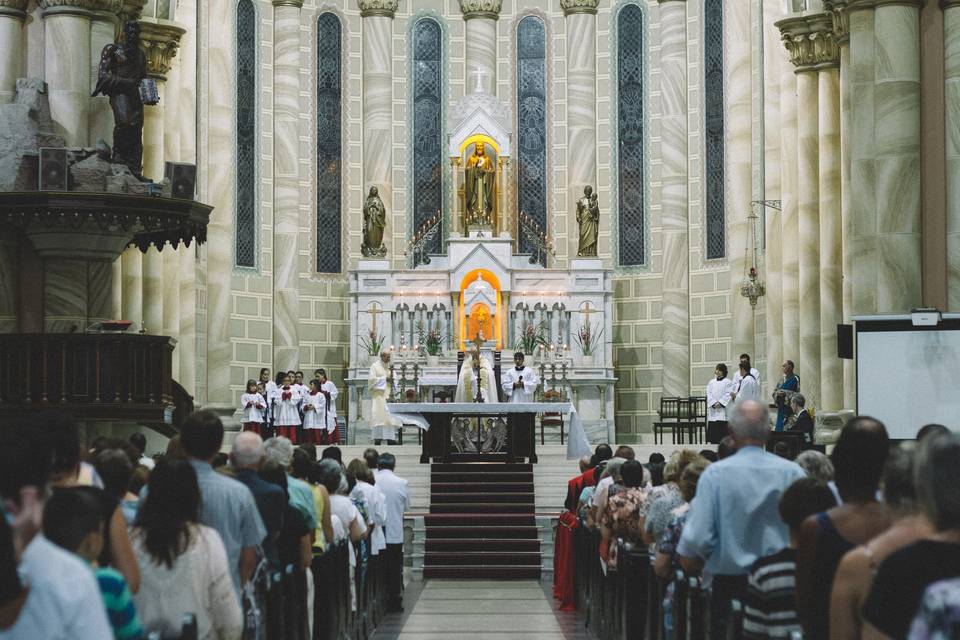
(286, 407)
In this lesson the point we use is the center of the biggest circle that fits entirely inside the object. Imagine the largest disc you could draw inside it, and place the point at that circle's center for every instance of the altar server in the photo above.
(331, 392)
(749, 387)
(384, 423)
(287, 417)
(719, 397)
(314, 414)
(519, 383)
(738, 374)
(252, 407)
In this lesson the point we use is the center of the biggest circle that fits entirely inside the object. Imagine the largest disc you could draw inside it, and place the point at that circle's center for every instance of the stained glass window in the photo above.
(328, 144)
(713, 126)
(246, 232)
(532, 122)
(630, 150)
(427, 138)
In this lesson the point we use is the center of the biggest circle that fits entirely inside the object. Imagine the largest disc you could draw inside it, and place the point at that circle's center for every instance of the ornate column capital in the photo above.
(296, 4)
(810, 41)
(916, 4)
(578, 6)
(480, 9)
(944, 4)
(14, 8)
(840, 19)
(666, 1)
(385, 8)
(159, 40)
(77, 7)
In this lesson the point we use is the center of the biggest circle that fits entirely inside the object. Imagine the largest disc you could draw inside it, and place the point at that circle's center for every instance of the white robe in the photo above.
(331, 388)
(314, 417)
(524, 393)
(737, 377)
(255, 412)
(287, 410)
(467, 383)
(384, 424)
(748, 389)
(719, 391)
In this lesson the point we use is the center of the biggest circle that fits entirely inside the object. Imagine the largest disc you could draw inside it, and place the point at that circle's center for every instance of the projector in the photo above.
(925, 317)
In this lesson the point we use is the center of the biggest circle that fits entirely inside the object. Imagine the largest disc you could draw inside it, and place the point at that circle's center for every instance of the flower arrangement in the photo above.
(531, 336)
(373, 343)
(431, 339)
(587, 338)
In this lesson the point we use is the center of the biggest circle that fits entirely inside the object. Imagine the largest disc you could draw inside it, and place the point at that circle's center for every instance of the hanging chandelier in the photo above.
(752, 287)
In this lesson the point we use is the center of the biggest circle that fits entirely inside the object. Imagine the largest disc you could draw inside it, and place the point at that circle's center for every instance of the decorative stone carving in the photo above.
(810, 41)
(480, 9)
(74, 6)
(25, 126)
(839, 19)
(288, 3)
(129, 10)
(159, 40)
(385, 8)
(578, 6)
(15, 8)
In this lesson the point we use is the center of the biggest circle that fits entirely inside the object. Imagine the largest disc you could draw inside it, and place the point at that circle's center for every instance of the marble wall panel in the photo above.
(65, 296)
(951, 31)
(131, 308)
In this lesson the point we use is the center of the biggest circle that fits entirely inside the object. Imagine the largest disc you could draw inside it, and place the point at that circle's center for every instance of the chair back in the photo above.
(698, 408)
(669, 408)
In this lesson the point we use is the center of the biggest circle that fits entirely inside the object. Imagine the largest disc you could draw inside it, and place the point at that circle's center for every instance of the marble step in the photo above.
(484, 572)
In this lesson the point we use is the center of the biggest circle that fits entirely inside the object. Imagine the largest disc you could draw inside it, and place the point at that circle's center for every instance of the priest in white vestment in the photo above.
(384, 423)
(467, 382)
(520, 382)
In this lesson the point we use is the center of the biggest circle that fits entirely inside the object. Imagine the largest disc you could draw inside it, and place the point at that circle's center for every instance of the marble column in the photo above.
(581, 22)
(159, 40)
(674, 198)
(131, 267)
(377, 21)
(789, 219)
(103, 28)
(773, 59)
(831, 258)
(951, 68)
(66, 58)
(737, 45)
(802, 44)
(841, 29)
(286, 182)
(12, 15)
(186, 352)
(896, 111)
(863, 212)
(171, 259)
(480, 35)
(116, 293)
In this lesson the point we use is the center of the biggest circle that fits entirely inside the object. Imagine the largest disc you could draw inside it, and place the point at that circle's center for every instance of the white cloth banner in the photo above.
(577, 443)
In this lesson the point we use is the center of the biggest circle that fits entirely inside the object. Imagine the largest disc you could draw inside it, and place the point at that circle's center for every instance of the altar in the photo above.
(482, 273)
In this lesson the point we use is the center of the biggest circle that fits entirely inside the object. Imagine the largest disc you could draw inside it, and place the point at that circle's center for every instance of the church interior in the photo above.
(200, 194)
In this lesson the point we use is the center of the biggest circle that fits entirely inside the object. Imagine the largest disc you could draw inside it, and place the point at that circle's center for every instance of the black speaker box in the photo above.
(845, 341)
(54, 174)
(183, 179)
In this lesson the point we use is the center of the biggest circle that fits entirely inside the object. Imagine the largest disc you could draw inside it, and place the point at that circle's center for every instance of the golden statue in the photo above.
(588, 217)
(478, 188)
(374, 222)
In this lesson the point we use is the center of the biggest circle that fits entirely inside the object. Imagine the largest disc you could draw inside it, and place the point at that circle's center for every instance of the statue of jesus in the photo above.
(478, 187)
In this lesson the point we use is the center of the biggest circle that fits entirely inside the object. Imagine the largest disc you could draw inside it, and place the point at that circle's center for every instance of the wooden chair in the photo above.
(696, 422)
(550, 418)
(682, 424)
(669, 414)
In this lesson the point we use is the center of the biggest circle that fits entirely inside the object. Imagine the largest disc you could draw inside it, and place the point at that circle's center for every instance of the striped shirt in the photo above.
(119, 603)
(771, 608)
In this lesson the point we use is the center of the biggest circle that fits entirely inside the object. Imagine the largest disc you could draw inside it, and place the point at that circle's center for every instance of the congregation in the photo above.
(192, 532)
(864, 543)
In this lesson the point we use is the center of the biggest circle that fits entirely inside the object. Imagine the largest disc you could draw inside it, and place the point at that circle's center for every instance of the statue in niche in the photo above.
(374, 222)
(478, 187)
(588, 217)
(122, 69)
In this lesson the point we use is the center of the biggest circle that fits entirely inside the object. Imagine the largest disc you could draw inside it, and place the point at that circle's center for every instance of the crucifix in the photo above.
(374, 311)
(585, 312)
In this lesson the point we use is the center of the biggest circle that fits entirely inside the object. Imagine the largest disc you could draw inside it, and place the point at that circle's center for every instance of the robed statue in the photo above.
(374, 222)
(588, 217)
(478, 187)
(122, 67)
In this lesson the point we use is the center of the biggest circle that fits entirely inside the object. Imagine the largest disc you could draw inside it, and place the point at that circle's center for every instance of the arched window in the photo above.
(329, 164)
(532, 122)
(713, 127)
(427, 138)
(246, 185)
(631, 242)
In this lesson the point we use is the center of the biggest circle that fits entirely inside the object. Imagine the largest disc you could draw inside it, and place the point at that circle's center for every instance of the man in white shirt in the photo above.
(738, 375)
(397, 495)
(64, 601)
(748, 387)
(519, 383)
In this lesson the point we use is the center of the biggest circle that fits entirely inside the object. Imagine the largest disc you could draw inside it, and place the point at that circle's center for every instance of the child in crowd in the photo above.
(253, 405)
(314, 414)
(287, 417)
(72, 519)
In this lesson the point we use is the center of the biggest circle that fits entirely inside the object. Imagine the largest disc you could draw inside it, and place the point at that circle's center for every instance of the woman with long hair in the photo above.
(184, 566)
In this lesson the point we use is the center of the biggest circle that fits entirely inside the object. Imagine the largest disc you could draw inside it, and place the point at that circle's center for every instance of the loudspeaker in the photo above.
(845, 341)
(183, 179)
(53, 169)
